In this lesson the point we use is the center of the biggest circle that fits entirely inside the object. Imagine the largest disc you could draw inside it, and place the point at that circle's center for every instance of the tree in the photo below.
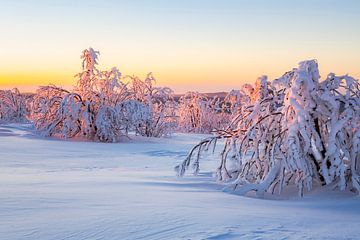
(13, 107)
(160, 104)
(234, 101)
(93, 110)
(297, 130)
(198, 113)
(102, 107)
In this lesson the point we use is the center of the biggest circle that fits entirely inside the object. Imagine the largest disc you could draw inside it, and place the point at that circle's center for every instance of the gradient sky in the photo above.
(203, 45)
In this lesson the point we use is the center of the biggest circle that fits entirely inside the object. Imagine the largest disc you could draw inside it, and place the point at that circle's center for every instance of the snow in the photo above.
(56, 189)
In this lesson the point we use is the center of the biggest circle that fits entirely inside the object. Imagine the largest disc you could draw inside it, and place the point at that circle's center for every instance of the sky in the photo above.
(196, 45)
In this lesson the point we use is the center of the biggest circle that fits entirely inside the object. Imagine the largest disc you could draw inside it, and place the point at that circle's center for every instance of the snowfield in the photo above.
(56, 189)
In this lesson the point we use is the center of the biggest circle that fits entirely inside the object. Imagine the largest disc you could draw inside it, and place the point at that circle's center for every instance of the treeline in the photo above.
(105, 105)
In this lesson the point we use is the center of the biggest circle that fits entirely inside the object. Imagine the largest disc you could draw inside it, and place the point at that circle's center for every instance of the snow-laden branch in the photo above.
(13, 106)
(103, 107)
(294, 130)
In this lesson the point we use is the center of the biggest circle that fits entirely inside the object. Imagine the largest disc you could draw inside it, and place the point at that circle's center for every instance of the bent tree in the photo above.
(295, 130)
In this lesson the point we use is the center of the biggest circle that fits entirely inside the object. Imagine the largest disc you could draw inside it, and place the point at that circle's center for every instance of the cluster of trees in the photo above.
(294, 130)
(102, 106)
(199, 113)
(105, 106)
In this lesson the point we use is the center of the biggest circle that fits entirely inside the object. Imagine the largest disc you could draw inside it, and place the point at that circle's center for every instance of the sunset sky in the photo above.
(202, 45)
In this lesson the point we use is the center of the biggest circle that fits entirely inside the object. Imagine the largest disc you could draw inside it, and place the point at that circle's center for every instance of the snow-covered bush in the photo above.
(296, 130)
(199, 114)
(136, 115)
(12, 106)
(93, 110)
(233, 103)
(160, 103)
(56, 111)
(102, 106)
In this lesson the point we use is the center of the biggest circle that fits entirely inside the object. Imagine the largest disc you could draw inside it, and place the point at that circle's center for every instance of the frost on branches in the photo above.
(102, 107)
(199, 114)
(160, 104)
(295, 130)
(13, 106)
(234, 101)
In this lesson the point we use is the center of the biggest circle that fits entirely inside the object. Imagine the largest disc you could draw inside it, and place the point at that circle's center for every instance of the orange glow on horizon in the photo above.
(201, 80)
(205, 71)
(187, 45)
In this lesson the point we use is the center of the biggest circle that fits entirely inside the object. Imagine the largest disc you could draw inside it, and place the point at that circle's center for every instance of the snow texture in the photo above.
(56, 189)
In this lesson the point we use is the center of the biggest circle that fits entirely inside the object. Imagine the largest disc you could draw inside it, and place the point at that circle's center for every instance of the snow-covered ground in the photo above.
(54, 189)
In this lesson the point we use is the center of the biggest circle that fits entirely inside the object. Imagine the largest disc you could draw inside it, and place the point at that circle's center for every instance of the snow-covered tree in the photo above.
(199, 114)
(93, 110)
(160, 104)
(102, 106)
(12, 106)
(56, 111)
(296, 130)
(234, 101)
